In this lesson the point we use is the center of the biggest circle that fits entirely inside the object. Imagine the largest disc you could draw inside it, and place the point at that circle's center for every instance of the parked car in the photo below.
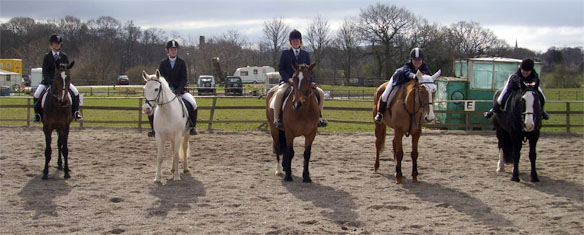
(233, 85)
(123, 80)
(206, 85)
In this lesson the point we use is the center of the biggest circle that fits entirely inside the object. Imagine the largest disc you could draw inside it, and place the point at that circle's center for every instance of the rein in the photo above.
(417, 95)
(157, 99)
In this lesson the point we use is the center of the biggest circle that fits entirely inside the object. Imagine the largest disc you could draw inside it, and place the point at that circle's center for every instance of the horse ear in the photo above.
(144, 76)
(158, 74)
(311, 66)
(71, 65)
(436, 75)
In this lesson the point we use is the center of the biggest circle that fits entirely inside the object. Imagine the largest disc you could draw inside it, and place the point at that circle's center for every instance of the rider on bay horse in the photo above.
(401, 76)
(525, 73)
(174, 70)
(55, 43)
(286, 69)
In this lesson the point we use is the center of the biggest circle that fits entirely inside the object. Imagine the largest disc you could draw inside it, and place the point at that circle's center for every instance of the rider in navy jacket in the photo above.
(177, 76)
(287, 60)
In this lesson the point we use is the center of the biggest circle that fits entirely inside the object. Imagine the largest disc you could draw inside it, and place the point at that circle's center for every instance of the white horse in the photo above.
(170, 121)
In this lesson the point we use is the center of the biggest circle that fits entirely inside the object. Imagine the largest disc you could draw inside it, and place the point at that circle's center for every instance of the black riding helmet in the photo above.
(56, 38)
(172, 44)
(295, 34)
(527, 65)
(417, 54)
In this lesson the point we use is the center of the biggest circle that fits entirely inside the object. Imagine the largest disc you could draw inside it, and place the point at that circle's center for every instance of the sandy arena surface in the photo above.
(232, 189)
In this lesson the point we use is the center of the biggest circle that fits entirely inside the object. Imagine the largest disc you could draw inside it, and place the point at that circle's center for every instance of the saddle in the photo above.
(392, 95)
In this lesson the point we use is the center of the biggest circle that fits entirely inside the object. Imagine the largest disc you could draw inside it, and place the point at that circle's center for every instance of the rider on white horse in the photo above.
(174, 70)
(401, 76)
(55, 42)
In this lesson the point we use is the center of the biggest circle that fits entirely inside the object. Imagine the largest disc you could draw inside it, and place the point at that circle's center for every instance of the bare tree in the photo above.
(318, 36)
(347, 38)
(470, 39)
(380, 24)
(275, 32)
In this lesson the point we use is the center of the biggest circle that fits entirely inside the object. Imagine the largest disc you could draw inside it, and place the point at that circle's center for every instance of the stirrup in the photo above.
(77, 116)
(545, 115)
(278, 123)
(193, 131)
(379, 117)
(151, 133)
(489, 114)
(322, 122)
(37, 118)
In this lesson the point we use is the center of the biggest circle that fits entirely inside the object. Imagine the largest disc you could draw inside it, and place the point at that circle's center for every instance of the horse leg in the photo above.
(288, 156)
(308, 146)
(59, 147)
(415, 139)
(501, 163)
(47, 151)
(160, 148)
(380, 134)
(516, 141)
(532, 155)
(185, 151)
(63, 138)
(175, 157)
(279, 169)
(398, 155)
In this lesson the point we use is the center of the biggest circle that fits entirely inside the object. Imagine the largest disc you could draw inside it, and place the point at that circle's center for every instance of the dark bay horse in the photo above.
(299, 117)
(57, 116)
(410, 107)
(521, 120)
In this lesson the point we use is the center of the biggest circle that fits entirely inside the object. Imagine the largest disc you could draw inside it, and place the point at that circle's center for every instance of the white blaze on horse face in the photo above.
(529, 122)
(63, 76)
(300, 77)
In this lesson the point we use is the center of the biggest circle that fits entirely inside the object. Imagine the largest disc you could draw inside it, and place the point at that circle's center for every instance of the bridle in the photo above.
(307, 93)
(156, 100)
(63, 90)
(416, 89)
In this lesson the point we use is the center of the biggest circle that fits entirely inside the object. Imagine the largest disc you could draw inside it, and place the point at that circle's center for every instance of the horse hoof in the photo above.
(45, 177)
(279, 173)
(398, 181)
(157, 180)
(307, 180)
(186, 171)
(415, 179)
(288, 178)
(176, 178)
(60, 168)
(534, 179)
(516, 179)
(67, 176)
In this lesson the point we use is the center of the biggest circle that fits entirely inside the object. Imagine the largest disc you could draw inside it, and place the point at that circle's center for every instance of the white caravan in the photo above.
(253, 74)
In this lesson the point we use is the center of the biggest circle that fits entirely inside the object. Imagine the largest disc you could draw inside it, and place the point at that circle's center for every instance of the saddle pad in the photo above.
(392, 94)
(287, 94)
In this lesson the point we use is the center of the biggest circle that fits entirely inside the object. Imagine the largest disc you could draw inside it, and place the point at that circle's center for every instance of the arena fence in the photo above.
(573, 118)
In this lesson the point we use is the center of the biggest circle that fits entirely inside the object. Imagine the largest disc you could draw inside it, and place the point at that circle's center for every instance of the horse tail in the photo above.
(380, 133)
(282, 140)
(505, 145)
(183, 151)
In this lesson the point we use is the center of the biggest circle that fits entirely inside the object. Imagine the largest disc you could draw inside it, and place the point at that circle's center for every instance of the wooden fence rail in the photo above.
(568, 125)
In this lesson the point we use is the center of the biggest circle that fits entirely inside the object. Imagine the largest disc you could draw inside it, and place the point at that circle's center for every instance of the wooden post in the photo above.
(567, 116)
(140, 115)
(28, 112)
(210, 126)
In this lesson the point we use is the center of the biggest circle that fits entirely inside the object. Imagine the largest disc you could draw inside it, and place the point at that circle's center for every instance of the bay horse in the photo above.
(57, 116)
(411, 107)
(300, 116)
(170, 122)
(521, 120)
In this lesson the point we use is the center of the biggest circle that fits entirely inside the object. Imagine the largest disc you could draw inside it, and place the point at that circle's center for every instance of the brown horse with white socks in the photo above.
(410, 107)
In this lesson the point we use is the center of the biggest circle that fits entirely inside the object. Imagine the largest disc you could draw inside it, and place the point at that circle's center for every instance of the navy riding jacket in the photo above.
(49, 66)
(177, 76)
(406, 72)
(287, 59)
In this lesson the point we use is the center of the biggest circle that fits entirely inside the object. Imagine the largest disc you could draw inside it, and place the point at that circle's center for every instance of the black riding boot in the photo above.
(379, 116)
(75, 108)
(193, 117)
(37, 110)
(544, 114)
(151, 121)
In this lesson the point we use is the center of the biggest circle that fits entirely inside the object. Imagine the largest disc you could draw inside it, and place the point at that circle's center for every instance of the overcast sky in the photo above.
(536, 24)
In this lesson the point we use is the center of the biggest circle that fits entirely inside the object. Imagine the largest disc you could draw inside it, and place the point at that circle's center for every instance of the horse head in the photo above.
(302, 84)
(152, 90)
(427, 94)
(531, 109)
(61, 82)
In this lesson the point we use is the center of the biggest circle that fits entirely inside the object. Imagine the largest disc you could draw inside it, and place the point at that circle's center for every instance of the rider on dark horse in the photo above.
(174, 70)
(286, 69)
(525, 73)
(401, 76)
(49, 61)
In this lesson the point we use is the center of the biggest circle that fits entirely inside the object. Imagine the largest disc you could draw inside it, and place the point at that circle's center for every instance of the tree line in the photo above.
(368, 46)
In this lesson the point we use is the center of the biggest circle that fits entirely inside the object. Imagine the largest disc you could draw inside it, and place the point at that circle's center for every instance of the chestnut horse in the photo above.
(300, 116)
(57, 116)
(411, 106)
